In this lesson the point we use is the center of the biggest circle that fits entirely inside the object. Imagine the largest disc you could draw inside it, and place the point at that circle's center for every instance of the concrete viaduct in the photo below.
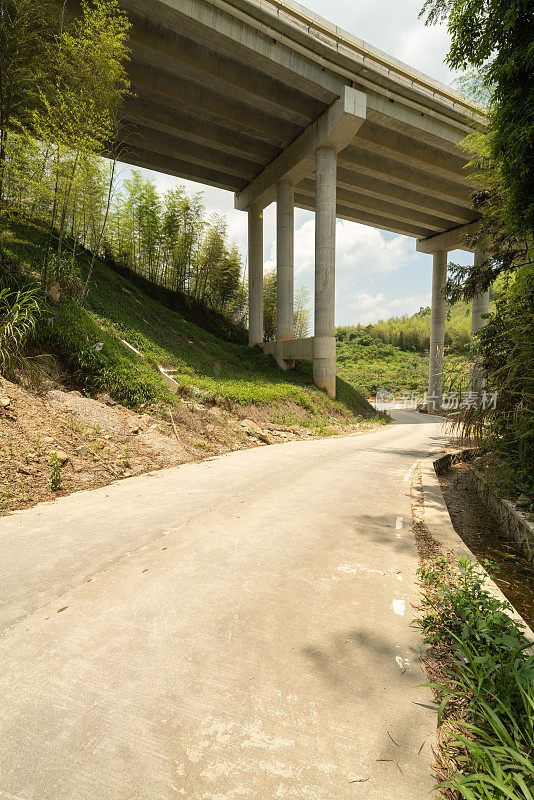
(270, 101)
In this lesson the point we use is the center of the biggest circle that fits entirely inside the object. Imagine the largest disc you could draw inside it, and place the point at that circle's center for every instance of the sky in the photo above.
(378, 274)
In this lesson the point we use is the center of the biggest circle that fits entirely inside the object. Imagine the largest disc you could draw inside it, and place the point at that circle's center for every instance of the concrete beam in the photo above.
(231, 65)
(390, 192)
(378, 166)
(186, 61)
(383, 208)
(334, 129)
(365, 218)
(236, 33)
(251, 119)
(203, 129)
(449, 240)
(425, 127)
(177, 147)
(293, 55)
(147, 159)
(414, 153)
(290, 349)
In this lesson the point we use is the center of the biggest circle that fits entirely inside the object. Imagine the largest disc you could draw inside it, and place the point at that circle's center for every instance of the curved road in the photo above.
(236, 628)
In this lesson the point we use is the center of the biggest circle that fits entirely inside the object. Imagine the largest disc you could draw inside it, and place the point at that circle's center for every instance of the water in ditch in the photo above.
(482, 534)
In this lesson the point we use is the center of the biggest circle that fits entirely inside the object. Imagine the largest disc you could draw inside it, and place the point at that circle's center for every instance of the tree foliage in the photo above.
(393, 354)
(507, 352)
(412, 333)
(170, 242)
(27, 32)
(301, 311)
(61, 88)
(496, 37)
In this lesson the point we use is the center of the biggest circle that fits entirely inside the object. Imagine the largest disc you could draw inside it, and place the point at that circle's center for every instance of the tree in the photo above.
(27, 34)
(62, 82)
(169, 241)
(80, 110)
(496, 38)
(269, 305)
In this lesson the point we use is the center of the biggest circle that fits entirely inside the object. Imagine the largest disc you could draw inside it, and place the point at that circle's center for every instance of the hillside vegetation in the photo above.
(393, 354)
(89, 341)
(370, 364)
(412, 334)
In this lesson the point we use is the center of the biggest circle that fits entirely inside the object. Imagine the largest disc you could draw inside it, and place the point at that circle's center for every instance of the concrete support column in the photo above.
(437, 329)
(479, 306)
(324, 343)
(255, 275)
(285, 236)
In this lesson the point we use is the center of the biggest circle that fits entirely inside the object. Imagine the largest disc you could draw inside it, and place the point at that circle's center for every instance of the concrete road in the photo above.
(237, 628)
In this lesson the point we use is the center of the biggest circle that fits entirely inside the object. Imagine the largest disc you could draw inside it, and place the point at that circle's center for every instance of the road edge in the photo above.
(439, 525)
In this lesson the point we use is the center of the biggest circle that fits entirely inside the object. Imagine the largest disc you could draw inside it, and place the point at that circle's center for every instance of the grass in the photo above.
(484, 679)
(88, 341)
(371, 364)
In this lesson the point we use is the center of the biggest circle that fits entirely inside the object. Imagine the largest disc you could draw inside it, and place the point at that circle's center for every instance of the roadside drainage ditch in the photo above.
(484, 536)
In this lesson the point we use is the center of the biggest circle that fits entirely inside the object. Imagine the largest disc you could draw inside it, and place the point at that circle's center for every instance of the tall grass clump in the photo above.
(19, 311)
(483, 674)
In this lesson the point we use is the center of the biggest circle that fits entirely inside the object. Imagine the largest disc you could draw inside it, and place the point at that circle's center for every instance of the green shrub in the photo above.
(55, 473)
(490, 676)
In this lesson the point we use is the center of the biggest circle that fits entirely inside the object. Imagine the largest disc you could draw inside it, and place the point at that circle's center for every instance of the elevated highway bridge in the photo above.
(269, 101)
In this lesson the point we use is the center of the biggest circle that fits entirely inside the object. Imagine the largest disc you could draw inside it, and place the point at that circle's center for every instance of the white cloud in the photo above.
(359, 250)
(363, 307)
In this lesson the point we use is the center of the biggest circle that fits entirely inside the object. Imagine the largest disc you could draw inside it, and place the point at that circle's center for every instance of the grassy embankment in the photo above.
(204, 365)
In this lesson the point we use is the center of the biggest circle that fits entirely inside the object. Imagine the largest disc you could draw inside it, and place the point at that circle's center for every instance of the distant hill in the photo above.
(412, 334)
(393, 354)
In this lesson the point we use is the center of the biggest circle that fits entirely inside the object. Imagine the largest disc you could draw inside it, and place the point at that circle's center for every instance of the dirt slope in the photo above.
(97, 441)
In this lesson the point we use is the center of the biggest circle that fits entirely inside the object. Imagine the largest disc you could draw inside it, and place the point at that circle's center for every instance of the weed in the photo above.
(488, 685)
(75, 426)
(202, 445)
(126, 456)
(6, 493)
(55, 473)
(18, 317)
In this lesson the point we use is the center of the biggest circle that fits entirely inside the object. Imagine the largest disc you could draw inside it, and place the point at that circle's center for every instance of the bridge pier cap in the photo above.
(453, 239)
(335, 128)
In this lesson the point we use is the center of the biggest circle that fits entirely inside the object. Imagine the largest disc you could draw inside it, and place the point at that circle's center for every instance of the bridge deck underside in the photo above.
(216, 100)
